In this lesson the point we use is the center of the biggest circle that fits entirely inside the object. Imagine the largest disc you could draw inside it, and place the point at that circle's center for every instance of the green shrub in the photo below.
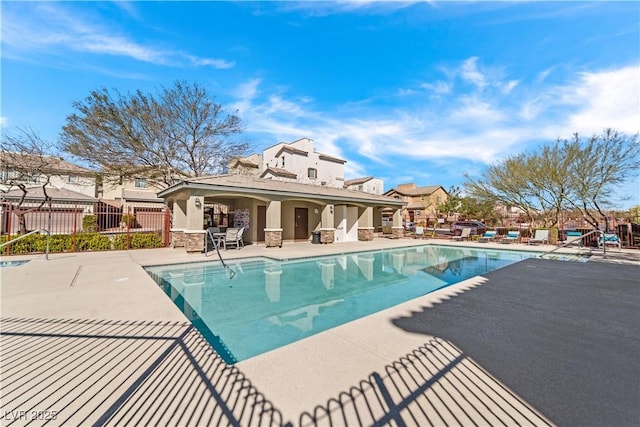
(120, 242)
(100, 242)
(138, 241)
(90, 223)
(129, 220)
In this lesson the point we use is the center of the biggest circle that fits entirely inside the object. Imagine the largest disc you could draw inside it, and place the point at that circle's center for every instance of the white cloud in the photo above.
(608, 99)
(48, 28)
(469, 72)
(438, 88)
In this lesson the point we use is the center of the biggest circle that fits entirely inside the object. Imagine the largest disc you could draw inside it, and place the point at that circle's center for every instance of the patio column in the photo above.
(327, 230)
(397, 229)
(273, 230)
(365, 224)
(179, 223)
(194, 232)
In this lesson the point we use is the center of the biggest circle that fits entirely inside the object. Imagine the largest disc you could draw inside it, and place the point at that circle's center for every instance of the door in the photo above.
(301, 230)
(262, 223)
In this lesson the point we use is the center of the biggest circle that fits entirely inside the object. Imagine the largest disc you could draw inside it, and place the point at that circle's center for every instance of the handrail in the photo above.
(215, 245)
(604, 246)
(46, 253)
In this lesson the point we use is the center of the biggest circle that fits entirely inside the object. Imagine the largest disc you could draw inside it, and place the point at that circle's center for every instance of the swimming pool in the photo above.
(267, 304)
(4, 264)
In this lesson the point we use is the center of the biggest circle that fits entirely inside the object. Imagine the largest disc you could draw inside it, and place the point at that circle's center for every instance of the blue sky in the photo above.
(418, 92)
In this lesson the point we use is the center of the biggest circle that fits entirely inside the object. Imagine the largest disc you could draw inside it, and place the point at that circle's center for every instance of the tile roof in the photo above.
(278, 172)
(36, 193)
(357, 181)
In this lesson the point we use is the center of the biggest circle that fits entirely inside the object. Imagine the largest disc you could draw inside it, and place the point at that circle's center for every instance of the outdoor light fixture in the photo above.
(331, 209)
(315, 211)
(198, 204)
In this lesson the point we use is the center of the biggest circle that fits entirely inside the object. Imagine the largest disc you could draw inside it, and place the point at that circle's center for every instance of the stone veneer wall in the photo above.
(365, 234)
(177, 238)
(327, 236)
(398, 232)
(194, 242)
(273, 239)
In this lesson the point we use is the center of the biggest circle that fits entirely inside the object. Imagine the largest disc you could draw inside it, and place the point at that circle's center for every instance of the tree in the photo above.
(179, 132)
(26, 162)
(468, 207)
(569, 174)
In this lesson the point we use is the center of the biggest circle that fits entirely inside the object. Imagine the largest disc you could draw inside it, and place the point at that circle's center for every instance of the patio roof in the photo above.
(245, 184)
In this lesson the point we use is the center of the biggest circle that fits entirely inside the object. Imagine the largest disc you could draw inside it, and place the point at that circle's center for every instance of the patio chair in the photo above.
(511, 236)
(233, 237)
(488, 236)
(573, 238)
(419, 233)
(609, 239)
(541, 236)
(464, 234)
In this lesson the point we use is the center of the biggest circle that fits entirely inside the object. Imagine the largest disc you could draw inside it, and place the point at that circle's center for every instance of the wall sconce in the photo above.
(198, 204)
(315, 211)
(331, 209)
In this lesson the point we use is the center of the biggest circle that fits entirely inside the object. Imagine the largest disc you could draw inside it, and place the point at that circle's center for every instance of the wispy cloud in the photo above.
(472, 125)
(49, 28)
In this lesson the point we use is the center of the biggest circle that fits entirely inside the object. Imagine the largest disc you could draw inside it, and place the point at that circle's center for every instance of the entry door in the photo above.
(301, 231)
(262, 222)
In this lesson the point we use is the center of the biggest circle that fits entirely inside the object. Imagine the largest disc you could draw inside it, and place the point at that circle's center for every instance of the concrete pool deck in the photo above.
(90, 338)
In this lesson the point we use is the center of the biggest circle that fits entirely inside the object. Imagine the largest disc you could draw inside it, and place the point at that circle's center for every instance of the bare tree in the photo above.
(179, 132)
(26, 162)
(569, 174)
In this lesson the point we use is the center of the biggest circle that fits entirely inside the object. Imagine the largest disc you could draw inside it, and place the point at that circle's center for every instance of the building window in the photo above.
(312, 173)
(360, 187)
(283, 162)
(141, 183)
(73, 179)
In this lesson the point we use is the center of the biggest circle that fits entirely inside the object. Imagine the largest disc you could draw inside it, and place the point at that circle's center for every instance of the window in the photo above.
(73, 179)
(360, 187)
(312, 173)
(141, 183)
(283, 162)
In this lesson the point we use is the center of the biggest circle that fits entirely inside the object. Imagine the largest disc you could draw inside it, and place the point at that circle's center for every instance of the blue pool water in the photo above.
(4, 264)
(268, 304)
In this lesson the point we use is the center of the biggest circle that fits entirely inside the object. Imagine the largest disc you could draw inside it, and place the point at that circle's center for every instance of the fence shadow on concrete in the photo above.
(81, 372)
(435, 384)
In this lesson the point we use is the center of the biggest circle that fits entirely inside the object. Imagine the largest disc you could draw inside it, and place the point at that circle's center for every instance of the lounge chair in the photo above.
(511, 236)
(541, 236)
(609, 239)
(233, 237)
(573, 238)
(464, 234)
(419, 233)
(488, 236)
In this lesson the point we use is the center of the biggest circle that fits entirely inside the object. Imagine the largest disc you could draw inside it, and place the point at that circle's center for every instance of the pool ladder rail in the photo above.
(46, 253)
(604, 246)
(232, 273)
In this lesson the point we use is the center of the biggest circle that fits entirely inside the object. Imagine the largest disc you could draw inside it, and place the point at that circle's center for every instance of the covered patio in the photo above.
(275, 211)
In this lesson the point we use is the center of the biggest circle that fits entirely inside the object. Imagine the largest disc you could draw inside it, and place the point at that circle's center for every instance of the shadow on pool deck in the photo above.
(90, 372)
(563, 336)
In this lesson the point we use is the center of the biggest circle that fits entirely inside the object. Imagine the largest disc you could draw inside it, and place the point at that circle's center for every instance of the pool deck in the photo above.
(89, 338)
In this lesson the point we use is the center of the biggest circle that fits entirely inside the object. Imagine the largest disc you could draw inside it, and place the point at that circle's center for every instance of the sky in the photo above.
(409, 92)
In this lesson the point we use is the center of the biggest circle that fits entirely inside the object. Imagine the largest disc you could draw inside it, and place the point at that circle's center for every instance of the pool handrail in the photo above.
(604, 249)
(46, 253)
(215, 245)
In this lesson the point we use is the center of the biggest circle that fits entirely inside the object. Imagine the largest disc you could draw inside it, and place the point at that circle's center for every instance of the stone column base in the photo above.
(273, 237)
(327, 235)
(177, 238)
(365, 234)
(194, 240)
(397, 232)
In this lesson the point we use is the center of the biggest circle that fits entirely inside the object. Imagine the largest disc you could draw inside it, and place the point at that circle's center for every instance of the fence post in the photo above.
(75, 226)
(9, 225)
(128, 222)
(167, 227)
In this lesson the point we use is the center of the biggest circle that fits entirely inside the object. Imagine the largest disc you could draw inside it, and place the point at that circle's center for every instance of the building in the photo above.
(272, 211)
(368, 184)
(296, 161)
(421, 202)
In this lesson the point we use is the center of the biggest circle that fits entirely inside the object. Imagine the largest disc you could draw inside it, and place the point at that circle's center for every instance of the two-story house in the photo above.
(296, 161)
(40, 191)
(368, 184)
(422, 202)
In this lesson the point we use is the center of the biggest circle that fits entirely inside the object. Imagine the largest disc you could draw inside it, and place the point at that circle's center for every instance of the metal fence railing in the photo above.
(83, 226)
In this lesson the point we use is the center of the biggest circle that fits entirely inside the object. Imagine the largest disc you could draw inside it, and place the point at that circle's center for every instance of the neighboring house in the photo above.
(296, 162)
(125, 192)
(368, 184)
(33, 171)
(62, 215)
(422, 202)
